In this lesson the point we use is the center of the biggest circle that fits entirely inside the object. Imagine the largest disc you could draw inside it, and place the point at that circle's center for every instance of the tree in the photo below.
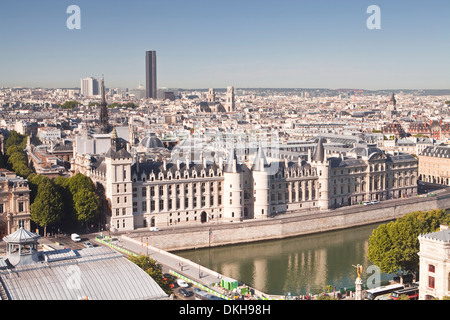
(78, 182)
(16, 139)
(153, 269)
(69, 104)
(81, 200)
(393, 247)
(86, 205)
(47, 207)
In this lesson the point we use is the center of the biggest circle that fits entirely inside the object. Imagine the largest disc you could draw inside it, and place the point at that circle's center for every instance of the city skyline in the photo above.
(201, 45)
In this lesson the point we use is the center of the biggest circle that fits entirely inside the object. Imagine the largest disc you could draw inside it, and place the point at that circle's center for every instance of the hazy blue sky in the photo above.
(245, 43)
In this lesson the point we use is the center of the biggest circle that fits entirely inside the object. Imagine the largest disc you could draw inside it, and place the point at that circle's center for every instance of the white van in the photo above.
(75, 237)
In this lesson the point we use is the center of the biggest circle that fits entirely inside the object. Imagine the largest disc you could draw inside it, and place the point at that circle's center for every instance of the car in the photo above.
(366, 203)
(374, 202)
(75, 237)
(182, 283)
(154, 229)
(185, 293)
(87, 244)
(196, 290)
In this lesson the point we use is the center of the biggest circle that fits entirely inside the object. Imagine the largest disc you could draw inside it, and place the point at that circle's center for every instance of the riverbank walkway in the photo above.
(192, 272)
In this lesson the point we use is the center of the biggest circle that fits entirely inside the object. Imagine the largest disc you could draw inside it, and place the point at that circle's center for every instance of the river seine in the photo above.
(300, 265)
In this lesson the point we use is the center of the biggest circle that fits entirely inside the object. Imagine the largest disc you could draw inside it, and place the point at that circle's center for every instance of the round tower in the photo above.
(261, 185)
(233, 192)
(320, 162)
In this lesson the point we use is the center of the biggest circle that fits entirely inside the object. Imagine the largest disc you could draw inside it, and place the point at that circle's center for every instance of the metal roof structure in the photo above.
(21, 236)
(95, 274)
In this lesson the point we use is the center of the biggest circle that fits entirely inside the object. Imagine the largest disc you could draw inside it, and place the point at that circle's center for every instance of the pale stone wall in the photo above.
(290, 225)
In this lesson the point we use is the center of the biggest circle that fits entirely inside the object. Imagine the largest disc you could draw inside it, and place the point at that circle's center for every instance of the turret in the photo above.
(233, 192)
(261, 181)
(320, 162)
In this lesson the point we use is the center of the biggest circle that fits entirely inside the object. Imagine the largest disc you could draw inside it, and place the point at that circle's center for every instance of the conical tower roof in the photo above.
(232, 162)
(260, 161)
(319, 153)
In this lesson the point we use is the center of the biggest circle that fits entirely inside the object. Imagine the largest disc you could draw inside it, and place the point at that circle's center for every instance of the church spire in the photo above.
(104, 119)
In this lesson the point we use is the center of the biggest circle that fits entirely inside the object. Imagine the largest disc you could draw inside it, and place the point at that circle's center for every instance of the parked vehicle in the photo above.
(154, 229)
(366, 203)
(185, 293)
(412, 293)
(374, 202)
(182, 283)
(382, 293)
(87, 244)
(75, 237)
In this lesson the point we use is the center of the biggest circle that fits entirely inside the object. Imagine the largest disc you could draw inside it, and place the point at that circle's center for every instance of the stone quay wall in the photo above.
(290, 225)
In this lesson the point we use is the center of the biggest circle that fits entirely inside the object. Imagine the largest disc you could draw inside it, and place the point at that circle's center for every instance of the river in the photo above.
(300, 265)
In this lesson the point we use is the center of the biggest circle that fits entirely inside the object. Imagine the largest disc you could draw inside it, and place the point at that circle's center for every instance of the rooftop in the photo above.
(95, 273)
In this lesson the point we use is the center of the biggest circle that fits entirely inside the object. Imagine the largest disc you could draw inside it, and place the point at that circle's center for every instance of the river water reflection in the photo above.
(300, 265)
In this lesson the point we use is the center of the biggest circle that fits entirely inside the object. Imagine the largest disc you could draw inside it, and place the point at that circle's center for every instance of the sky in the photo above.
(214, 44)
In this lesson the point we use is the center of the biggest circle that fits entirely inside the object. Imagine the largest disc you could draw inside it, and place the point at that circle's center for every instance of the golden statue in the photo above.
(359, 270)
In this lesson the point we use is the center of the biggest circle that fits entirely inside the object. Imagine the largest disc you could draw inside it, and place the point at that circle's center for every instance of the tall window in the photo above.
(431, 282)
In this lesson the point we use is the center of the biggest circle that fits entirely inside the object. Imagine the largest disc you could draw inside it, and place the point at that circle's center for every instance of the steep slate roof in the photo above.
(319, 152)
(260, 161)
(337, 162)
(158, 166)
(232, 158)
(119, 154)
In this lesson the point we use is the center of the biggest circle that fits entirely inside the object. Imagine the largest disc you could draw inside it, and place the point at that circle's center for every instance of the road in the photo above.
(65, 241)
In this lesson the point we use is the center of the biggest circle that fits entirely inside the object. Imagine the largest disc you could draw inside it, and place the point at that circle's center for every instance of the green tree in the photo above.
(69, 104)
(15, 157)
(78, 182)
(153, 269)
(16, 139)
(393, 247)
(86, 205)
(47, 207)
(81, 200)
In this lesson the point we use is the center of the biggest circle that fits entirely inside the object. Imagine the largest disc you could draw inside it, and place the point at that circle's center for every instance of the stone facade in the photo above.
(14, 203)
(435, 165)
(434, 273)
(162, 193)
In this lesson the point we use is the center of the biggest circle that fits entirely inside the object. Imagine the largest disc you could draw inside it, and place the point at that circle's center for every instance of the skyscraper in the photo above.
(150, 69)
(89, 87)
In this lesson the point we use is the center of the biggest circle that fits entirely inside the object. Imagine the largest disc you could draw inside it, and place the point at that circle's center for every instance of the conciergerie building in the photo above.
(161, 192)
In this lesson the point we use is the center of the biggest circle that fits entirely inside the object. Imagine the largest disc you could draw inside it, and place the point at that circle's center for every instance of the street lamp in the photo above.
(199, 269)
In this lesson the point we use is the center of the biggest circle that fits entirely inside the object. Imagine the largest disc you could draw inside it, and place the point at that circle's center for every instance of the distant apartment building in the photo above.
(433, 129)
(434, 165)
(90, 87)
(14, 203)
(48, 134)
